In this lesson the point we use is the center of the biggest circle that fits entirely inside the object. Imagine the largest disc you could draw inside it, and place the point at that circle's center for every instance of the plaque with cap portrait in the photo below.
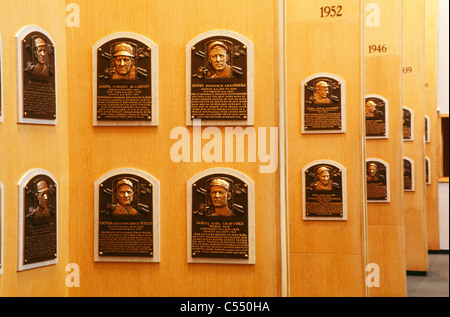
(219, 79)
(408, 174)
(377, 180)
(323, 104)
(408, 122)
(376, 114)
(221, 217)
(36, 76)
(125, 81)
(126, 217)
(38, 225)
(324, 191)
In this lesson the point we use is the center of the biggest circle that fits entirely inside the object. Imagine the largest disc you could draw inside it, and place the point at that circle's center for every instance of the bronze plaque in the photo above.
(219, 83)
(375, 109)
(323, 104)
(123, 83)
(427, 129)
(38, 93)
(324, 196)
(408, 174)
(407, 124)
(125, 217)
(39, 216)
(377, 181)
(427, 171)
(220, 217)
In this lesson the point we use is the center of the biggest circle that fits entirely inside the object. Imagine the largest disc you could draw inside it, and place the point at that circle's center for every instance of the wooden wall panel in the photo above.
(24, 147)
(97, 150)
(383, 28)
(432, 145)
(413, 98)
(332, 45)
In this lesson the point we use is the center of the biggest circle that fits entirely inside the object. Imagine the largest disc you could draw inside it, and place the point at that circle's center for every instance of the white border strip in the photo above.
(388, 180)
(343, 103)
(154, 79)
(251, 216)
(22, 183)
(250, 79)
(344, 191)
(386, 117)
(155, 212)
(20, 36)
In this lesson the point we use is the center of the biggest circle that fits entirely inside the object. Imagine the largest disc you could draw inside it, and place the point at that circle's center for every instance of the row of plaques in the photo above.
(219, 85)
(220, 212)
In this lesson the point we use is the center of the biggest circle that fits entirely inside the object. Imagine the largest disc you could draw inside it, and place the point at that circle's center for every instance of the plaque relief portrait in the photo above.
(377, 180)
(408, 174)
(126, 217)
(324, 191)
(37, 76)
(219, 75)
(376, 117)
(221, 218)
(323, 104)
(408, 124)
(125, 81)
(38, 214)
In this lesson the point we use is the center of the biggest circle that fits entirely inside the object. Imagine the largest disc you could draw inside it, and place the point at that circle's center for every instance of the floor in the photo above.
(435, 283)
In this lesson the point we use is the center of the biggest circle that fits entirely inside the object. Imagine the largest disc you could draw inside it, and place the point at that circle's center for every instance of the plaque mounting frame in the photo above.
(249, 121)
(386, 116)
(155, 217)
(342, 103)
(22, 183)
(20, 36)
(154, 81)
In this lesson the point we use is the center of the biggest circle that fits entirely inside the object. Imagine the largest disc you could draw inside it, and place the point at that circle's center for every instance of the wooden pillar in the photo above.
(382, 51)
(432, 132)
(24, 147)
(414, 149)
(326, 257)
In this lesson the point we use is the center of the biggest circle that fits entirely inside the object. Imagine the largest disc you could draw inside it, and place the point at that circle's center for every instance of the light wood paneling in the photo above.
(96, 150)
(383, 78)
(413, 98)
(432, 147)
(24, 147)
(331, 252)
